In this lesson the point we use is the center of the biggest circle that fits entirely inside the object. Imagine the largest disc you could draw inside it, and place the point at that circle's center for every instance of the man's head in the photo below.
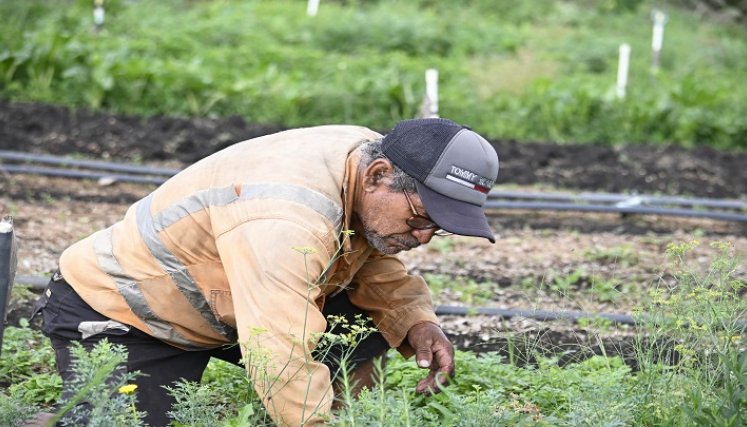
(425, 177)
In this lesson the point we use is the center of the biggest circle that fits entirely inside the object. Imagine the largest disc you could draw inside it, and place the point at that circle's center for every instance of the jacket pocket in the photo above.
(221, 302)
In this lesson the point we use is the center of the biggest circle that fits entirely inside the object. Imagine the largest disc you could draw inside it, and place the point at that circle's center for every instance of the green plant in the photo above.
(728, 409)
(466, 290)
(624, 255)
(27, 366)
(15, 410)
(564, 284)
(605, 290)
(701, 328)
(595, 322)
(198, 404)
(100, 393)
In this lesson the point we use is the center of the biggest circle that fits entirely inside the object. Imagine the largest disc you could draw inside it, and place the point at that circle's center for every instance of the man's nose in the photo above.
(424, 236)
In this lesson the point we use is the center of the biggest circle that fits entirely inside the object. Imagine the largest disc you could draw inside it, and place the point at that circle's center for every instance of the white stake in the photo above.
(98, 14)
(657, 37)
(431, 91)
(313, 7)
(622, 70)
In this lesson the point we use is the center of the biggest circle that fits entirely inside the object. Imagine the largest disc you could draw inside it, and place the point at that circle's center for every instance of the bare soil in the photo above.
(550, 261)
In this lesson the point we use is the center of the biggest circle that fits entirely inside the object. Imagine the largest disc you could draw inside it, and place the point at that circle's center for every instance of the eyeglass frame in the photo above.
(415, 216)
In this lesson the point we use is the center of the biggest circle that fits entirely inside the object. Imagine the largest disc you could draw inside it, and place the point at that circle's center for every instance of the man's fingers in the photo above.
(432, 350)
(424, 355)
(443, 353)
(445, 360)
(433, 382)
(426, 385)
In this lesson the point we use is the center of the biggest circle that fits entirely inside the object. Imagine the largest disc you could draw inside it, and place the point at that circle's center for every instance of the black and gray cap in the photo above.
(454, 169)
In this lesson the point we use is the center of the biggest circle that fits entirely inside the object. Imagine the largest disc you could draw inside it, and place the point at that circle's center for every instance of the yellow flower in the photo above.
(128, 389)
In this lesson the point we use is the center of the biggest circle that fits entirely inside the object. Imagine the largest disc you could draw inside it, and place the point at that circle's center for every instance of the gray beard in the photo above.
(379, 243)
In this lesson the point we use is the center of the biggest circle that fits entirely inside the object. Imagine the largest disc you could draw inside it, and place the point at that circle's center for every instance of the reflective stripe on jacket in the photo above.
(244, 245)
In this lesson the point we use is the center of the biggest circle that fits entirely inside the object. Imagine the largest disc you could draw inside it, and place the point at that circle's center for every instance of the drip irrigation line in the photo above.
(37, 283)
(89, 164)
(622, 199)
(584, 202)
(71, 173)
(693, 213)
(40, 283)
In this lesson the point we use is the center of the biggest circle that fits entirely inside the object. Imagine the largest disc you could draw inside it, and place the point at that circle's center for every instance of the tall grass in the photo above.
(541, 70)
(702, 321)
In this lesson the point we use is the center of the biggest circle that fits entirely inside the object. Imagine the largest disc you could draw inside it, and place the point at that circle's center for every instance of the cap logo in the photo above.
(469, 179)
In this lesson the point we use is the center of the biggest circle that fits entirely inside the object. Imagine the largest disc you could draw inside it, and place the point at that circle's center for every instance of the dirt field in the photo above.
(550, 261)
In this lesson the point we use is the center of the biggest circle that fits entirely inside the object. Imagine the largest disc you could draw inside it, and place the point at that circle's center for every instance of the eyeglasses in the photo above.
(420, 222)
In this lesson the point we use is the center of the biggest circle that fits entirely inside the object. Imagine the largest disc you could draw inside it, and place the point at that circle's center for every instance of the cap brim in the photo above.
(454, 216)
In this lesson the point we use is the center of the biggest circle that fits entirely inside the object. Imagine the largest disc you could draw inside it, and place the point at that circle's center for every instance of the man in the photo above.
(255, 244)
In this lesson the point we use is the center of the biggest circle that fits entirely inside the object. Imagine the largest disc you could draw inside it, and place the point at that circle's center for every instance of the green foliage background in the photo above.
(539, 70)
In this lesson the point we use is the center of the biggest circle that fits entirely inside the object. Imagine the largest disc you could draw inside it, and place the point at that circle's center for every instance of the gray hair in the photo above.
(371, 150)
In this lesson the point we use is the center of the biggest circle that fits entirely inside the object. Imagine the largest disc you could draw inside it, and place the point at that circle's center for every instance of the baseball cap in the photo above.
(453, 167)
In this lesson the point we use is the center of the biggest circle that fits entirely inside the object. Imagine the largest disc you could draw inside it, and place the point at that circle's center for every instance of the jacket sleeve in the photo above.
(271, 265)
(395, 299)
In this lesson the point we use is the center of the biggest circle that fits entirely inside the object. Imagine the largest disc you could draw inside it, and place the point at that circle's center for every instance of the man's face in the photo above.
(384, 217)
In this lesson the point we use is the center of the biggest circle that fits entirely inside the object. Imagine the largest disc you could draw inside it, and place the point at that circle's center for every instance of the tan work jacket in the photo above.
(245, 244)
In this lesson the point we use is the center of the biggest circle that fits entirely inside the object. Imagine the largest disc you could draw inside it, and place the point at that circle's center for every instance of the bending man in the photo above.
(255, 244)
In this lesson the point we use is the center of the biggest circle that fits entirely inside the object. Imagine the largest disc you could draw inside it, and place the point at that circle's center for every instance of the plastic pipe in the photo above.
(88, 164)
(34, 282)
(625, 203)
(596, 197)
(71, 173)
(40, 283)
(692, 213)
(617, 198)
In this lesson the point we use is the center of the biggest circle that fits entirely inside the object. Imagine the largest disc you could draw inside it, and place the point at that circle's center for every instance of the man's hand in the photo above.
(433, 351)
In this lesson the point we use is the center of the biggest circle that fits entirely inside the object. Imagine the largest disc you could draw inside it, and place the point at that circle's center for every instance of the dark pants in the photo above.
(63, 310)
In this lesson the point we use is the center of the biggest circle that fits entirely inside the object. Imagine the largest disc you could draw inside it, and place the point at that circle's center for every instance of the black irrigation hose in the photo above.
(72, 173)
(37, 283)
(625, 199)
(40, 283)
(88, 164)
(718, 215)
(623, 204)
(620, 199)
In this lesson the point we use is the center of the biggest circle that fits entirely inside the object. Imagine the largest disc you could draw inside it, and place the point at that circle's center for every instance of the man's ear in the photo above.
(376, 174)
